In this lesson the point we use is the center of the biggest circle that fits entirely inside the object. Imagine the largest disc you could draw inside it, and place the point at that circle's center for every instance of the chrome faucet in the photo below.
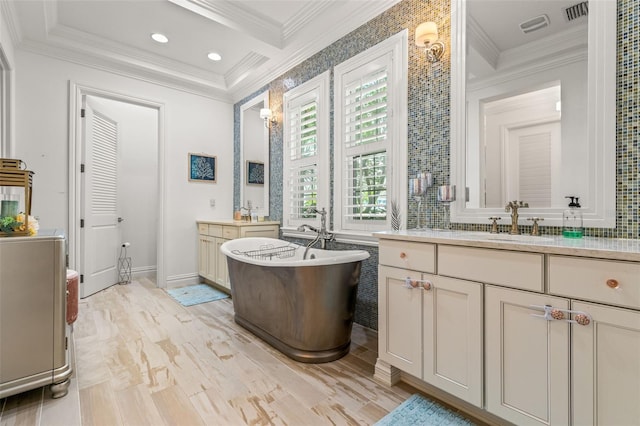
(513, 206)
(322, 234)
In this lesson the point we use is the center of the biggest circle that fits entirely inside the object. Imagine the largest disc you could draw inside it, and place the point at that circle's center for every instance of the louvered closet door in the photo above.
(100, 209)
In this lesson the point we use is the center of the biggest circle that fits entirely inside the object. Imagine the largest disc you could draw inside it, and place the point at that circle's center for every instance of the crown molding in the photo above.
(363, 13)
(482, 43)
(233, 15)
(153, 75)
(11, 19)
(243, 68)
(303, 18)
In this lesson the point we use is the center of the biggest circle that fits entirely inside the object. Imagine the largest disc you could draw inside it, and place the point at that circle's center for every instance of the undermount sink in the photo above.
(515, 238)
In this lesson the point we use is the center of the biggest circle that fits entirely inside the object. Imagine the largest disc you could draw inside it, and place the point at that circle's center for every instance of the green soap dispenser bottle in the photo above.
(572, 220)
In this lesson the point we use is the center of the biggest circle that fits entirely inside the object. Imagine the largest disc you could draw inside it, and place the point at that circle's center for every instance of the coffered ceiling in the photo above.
(257, 39)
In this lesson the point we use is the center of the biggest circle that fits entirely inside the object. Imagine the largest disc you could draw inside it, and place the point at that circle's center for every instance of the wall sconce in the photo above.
(427, 37)
(267, 116)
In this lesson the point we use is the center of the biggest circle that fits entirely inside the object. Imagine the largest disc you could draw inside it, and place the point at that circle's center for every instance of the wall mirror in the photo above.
(254, 155)
(533, 108)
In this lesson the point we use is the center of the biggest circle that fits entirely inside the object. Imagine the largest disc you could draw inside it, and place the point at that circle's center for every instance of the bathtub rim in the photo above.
(323, 257)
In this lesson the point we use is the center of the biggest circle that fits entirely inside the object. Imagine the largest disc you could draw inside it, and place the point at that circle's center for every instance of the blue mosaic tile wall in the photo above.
(428, 122)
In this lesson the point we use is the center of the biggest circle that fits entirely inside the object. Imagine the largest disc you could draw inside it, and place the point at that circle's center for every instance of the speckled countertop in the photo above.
(604, 248)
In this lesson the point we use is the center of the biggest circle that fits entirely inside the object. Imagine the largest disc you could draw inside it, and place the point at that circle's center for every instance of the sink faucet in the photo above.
(513, 206)
(322, 234)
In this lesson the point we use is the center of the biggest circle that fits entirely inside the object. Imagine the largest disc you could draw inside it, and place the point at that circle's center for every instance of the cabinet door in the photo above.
(452, 342)
(527, 358)
(212, 258)
(203, 255)
(606, 366)
(400, 320)
(221, 270)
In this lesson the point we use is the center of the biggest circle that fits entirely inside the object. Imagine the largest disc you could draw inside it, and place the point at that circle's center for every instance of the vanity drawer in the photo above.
(215, 230)
(230, 232)
(203, 229)
(605, 281)
(512, 269)
(408, 255)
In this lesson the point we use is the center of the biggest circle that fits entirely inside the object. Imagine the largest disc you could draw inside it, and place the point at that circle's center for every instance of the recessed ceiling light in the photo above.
(160, 38)
(214, 56)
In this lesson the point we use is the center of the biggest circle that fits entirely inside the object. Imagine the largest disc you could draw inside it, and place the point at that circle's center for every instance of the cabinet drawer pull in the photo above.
(427, 285)
(403, 255)
(611, 283)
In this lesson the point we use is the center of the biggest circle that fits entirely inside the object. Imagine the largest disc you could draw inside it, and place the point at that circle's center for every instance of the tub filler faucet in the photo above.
(322, 234)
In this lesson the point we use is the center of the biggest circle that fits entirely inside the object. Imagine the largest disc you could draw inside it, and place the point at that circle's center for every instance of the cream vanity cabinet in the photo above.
(430, 326)
(553, 336)
(212, 264)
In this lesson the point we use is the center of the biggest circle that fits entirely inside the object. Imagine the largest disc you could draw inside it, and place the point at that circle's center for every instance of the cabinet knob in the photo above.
(582, 319)
(611, 283)
(427, 285)
(557, 314)
(403, 255)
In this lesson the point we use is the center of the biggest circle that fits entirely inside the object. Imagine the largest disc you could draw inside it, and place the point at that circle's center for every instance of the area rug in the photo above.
(419, 410)
(194, 294)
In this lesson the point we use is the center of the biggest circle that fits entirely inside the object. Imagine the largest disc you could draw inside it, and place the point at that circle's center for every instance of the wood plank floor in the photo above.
(143, 359)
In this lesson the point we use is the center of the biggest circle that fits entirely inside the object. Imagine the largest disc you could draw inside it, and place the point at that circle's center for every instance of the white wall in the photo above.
(137, 178)
(192, 124)
(7, 50)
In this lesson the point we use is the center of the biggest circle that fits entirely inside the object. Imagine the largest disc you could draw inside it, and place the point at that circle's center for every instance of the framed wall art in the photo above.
(255, 173)
(202, 168)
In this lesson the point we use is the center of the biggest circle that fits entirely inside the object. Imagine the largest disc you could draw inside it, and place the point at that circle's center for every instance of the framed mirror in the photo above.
(254, 155)
(533, 108)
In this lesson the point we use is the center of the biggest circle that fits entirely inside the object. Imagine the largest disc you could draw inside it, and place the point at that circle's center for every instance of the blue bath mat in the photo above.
(418, 410)
(194, 294)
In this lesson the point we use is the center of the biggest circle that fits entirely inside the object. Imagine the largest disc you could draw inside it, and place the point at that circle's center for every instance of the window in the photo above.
(306, 151)
(370, 136)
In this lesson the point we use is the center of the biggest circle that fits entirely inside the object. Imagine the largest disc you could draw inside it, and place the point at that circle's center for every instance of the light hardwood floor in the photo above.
(143, 359)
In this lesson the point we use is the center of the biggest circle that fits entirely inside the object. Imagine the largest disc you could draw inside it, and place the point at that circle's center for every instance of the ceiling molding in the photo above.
(303, 17)
(93, 46)
(234, 16)
(482, 43)
(154, 75)
(11, 19)
(363, 13)
(243, 68)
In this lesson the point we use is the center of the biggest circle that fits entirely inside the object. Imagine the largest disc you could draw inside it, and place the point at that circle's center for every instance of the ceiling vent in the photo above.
(577, 10)
(534, 24)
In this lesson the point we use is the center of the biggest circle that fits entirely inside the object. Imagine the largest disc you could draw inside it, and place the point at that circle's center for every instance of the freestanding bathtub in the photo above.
(302, 307)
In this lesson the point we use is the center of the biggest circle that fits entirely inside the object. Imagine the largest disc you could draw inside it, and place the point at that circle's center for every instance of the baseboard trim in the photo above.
(182, 280)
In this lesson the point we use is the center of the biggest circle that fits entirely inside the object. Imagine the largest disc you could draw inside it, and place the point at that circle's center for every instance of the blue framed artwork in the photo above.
(255, 173)
(202, 168)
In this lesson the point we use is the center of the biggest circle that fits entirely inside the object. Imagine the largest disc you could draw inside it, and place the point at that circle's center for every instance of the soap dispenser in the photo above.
(572, 220)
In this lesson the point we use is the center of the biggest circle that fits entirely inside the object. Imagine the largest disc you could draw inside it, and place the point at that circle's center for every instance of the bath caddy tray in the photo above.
(269, 252)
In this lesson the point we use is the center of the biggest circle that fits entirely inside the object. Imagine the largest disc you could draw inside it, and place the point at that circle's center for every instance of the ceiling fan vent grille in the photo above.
(577, 10)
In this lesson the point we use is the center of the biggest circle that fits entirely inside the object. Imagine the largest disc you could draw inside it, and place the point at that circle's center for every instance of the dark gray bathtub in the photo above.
(303, 308)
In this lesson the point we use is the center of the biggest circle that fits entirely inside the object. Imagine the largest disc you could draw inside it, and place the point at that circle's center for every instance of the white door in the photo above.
(100, 234)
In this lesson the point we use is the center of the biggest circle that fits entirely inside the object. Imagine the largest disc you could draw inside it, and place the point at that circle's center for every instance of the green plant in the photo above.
(9, 224)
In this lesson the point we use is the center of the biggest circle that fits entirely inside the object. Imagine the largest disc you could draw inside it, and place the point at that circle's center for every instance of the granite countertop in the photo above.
(605, 248)
(237, 222)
